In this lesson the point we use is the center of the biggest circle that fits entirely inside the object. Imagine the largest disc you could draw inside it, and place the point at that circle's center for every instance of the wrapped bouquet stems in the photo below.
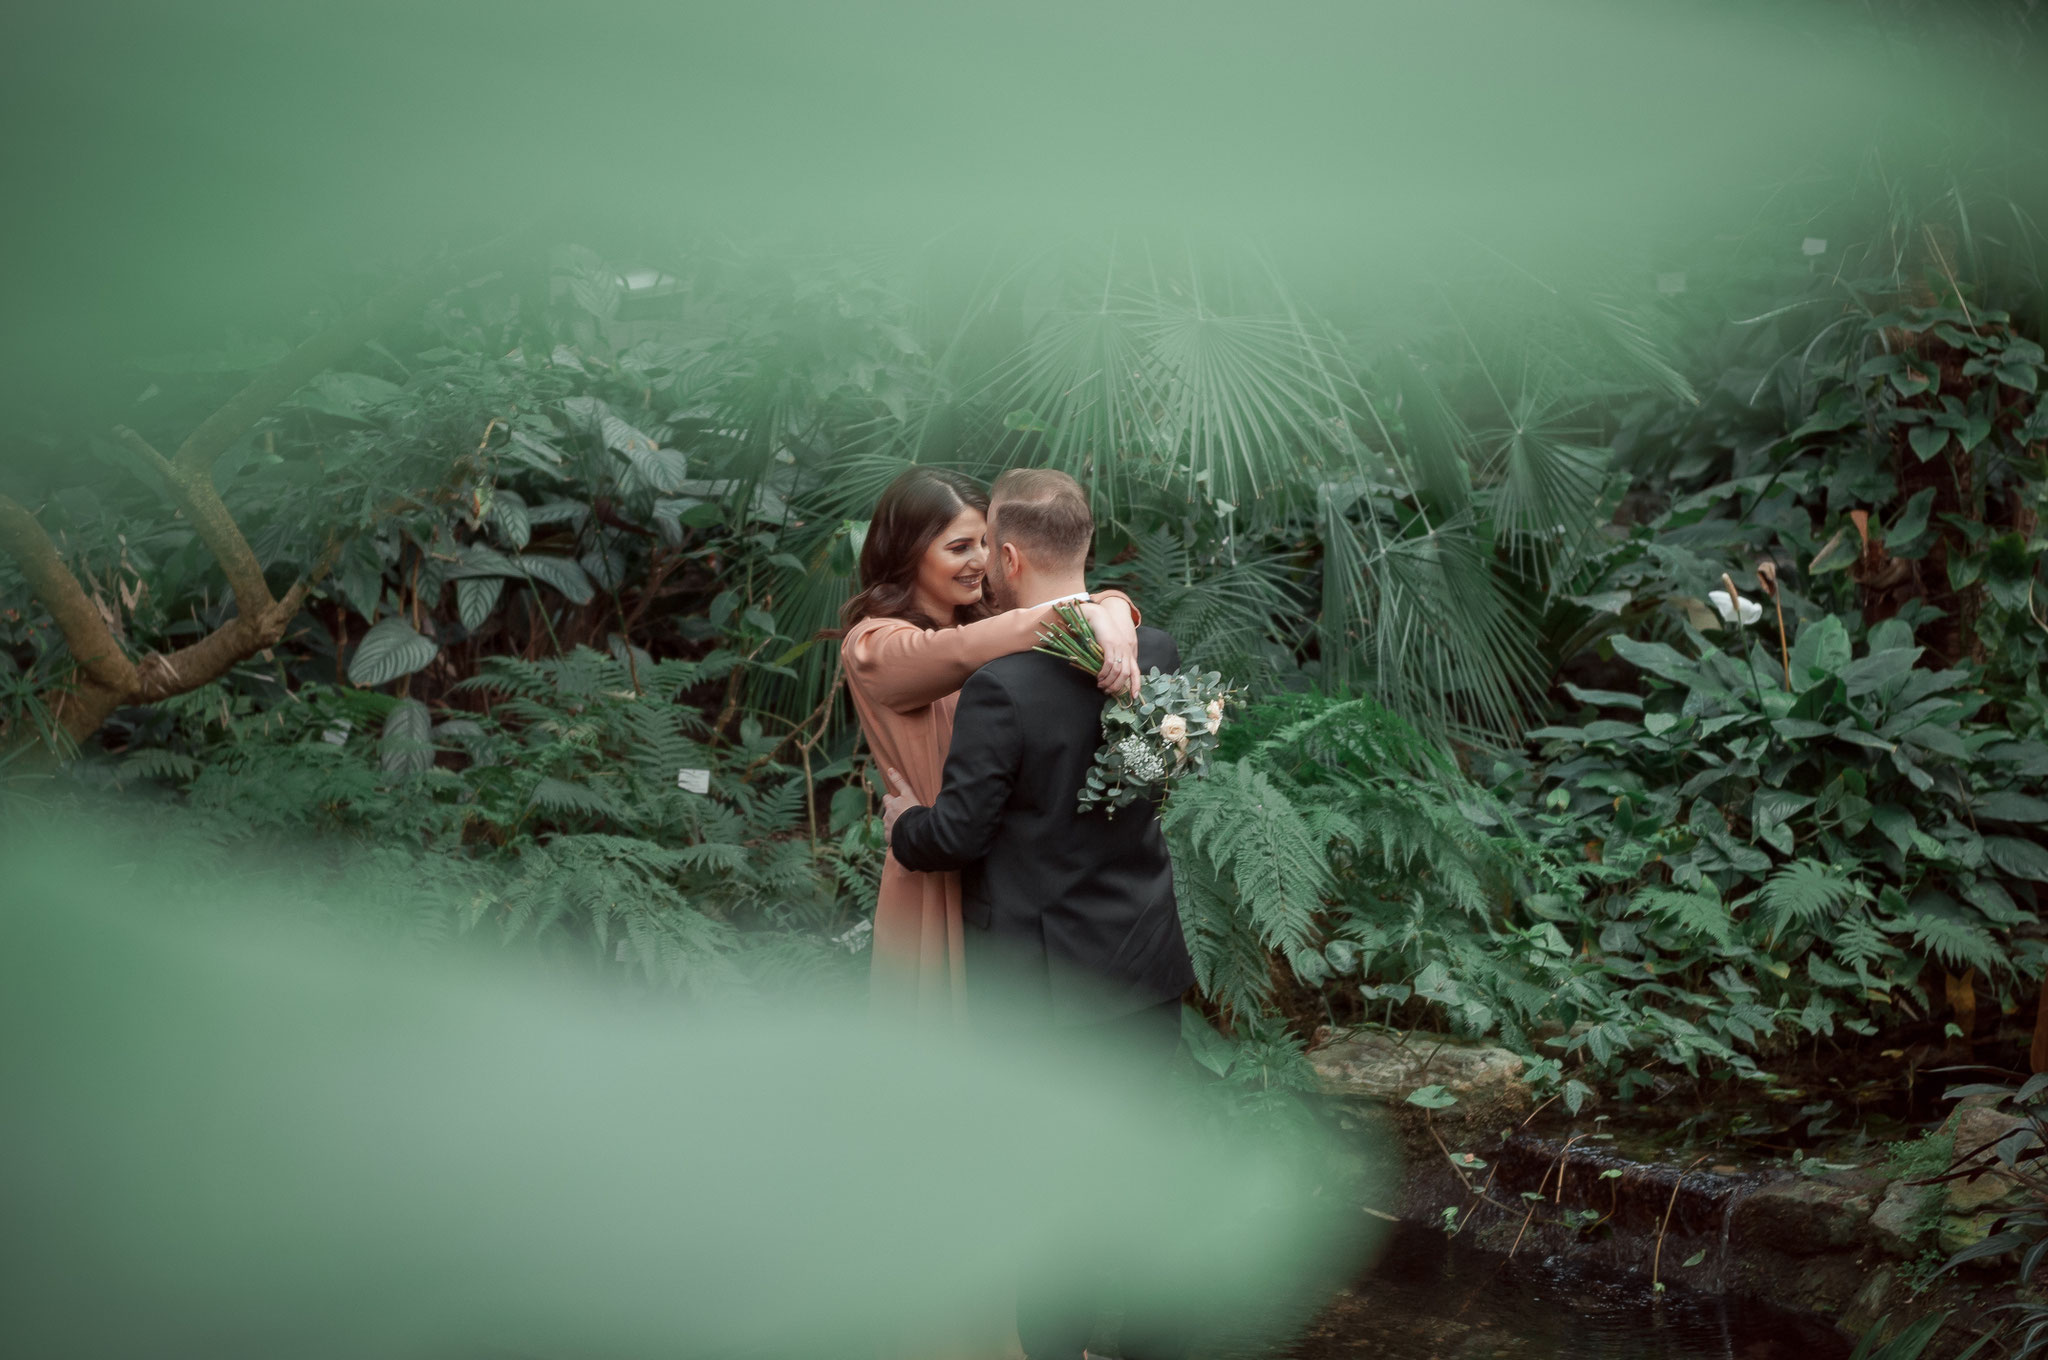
(1152, 740)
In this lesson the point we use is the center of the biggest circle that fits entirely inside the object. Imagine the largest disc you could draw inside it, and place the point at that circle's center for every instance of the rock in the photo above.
(1983, 1190)
(1985, 1140)
(1385, 1069)
(1868, 1308)
(1903, 1218)
(1965, 1230)
(1989, 1133)
(1802, 1216)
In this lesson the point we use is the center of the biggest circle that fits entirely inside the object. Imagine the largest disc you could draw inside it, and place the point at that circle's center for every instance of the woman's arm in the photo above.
(1115, 621)
(902, 666)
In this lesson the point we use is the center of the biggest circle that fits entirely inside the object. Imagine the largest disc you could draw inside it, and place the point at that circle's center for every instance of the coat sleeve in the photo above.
(958, 829)
(904, 667)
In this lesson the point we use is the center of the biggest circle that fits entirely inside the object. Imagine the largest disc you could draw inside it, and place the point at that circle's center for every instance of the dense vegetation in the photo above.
(542, 553)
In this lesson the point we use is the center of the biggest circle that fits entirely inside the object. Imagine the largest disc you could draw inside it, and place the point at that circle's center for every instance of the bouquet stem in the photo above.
(1073, 642)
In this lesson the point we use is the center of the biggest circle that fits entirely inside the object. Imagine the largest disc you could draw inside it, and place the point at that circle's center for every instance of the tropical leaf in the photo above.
(407, 743)
(559, 572)
(2021, 859)
(389, 650)
(476, 597)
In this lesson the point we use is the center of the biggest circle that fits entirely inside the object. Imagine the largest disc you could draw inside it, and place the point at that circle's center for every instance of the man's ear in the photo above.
(1013, 561)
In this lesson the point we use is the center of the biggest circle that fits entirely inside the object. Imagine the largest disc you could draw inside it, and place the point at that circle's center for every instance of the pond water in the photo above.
(1430, 1299)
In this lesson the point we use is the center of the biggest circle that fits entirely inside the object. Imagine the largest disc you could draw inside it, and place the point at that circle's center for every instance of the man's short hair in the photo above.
(1045, 512)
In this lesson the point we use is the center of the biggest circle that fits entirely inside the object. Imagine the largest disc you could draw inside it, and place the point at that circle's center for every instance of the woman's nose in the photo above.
(977, 556)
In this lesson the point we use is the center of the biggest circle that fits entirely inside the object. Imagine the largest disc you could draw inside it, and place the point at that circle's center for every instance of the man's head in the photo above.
(1040, 531)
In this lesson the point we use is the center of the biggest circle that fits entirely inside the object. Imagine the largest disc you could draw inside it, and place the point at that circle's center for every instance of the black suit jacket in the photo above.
(1080, 903)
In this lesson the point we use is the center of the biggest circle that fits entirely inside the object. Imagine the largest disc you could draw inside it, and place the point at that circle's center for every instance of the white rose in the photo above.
(1173, 727)
(1215, 714)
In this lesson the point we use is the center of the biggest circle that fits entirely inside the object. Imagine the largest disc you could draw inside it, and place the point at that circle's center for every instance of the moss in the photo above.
(1919, 1158)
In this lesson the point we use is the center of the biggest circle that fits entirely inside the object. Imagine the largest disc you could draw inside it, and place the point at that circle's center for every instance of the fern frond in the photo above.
(1805, 891)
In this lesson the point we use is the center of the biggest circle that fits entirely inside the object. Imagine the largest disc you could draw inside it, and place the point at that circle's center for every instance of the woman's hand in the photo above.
(1117, 635)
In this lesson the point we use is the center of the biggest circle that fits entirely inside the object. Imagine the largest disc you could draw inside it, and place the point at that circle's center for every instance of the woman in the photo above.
(917, 629)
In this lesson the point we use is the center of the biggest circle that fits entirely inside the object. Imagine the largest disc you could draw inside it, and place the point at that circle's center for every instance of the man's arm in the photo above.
(958, 829)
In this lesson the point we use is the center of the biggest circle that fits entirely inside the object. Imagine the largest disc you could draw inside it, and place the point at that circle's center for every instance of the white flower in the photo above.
(1215, 715)
(1737, 610)
(1173, 728)
(1141, 762)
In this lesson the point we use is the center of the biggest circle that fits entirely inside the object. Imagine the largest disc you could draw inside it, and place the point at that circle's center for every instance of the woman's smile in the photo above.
(954, 565)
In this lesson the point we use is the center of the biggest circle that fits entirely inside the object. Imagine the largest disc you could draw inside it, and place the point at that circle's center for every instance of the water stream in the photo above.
(1429, 1298)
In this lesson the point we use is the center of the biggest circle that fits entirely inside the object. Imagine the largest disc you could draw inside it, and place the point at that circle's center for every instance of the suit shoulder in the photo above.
(1157, 647)
(1016, 666)
(1147, 632)
(1000, 680)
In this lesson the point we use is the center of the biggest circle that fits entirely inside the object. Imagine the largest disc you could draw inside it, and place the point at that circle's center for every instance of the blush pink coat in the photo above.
(905, 681)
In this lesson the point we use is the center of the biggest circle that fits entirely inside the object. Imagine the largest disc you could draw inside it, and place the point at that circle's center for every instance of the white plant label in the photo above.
(693, 781)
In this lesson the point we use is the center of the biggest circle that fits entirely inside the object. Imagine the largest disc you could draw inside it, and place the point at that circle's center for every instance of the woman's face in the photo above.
(951, 571)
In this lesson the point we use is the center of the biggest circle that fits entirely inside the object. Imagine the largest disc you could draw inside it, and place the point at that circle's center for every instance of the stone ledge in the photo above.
(1802, 1216)
(1385, 1069)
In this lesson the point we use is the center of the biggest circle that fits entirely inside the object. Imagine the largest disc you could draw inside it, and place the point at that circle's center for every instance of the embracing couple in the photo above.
(995, 880)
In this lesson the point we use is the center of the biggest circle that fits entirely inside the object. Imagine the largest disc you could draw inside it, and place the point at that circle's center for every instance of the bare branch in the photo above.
(196, 496)
(107, 677)
(204, 661)
(85, 629)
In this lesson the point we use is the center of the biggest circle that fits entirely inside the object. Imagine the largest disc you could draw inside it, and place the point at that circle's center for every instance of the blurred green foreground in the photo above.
(225, 1134)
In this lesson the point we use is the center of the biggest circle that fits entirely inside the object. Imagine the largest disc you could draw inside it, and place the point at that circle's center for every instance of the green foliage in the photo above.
(581, 527)
(1768, 861)
(1336, 838)
(555, 811)
(2021, 1230)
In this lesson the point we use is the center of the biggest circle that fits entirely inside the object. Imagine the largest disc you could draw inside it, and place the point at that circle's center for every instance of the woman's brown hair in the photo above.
(914, 510)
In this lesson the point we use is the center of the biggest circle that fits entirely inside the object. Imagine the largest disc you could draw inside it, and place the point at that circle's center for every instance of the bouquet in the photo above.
(1152, 741)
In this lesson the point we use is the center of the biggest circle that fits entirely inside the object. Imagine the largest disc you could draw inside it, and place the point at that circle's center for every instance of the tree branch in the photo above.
(195, 494)
(160, 676)
(109, 678)
(85, 629)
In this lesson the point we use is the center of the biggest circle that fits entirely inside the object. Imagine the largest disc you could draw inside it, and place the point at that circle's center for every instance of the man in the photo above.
(1075, 912)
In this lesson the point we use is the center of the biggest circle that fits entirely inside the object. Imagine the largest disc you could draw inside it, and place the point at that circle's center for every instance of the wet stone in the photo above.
(1985, 1140)
(1385, 1069)
(1966, 1230)
(1903, 1217)
(1802, 1216)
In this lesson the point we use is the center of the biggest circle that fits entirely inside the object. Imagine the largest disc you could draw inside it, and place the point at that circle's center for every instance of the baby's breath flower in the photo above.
(1143, 763)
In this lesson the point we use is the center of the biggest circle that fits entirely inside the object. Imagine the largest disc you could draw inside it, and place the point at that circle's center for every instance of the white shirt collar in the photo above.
(1064, 599)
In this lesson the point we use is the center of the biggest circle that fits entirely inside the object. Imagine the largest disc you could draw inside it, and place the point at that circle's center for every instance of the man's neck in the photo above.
(1033, 590)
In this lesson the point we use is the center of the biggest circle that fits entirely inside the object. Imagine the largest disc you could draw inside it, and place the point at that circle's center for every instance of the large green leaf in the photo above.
(2021, 859)
(1821, 653)
(407, 745)
(388, 651)
(1658, 658)
(2008, 806)
(352, 396)
(659, 470)
(476, 597)
(1868, 674)
(561, 573)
